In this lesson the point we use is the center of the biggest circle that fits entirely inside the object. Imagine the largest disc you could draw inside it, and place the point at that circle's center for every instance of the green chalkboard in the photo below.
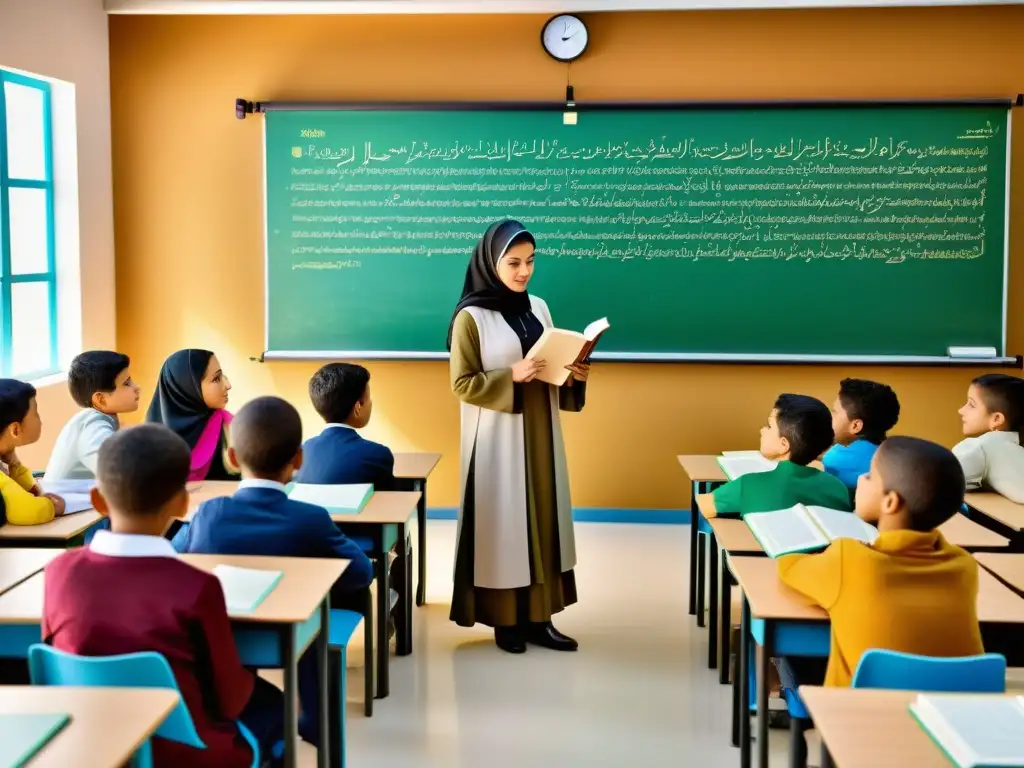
(842, 231)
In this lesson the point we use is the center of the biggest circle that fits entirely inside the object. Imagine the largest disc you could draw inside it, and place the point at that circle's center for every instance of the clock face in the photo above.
(564, 38)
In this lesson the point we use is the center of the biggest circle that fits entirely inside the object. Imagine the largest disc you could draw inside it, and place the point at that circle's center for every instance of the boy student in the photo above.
(799, 428)
(24, 503)
(993, 418)
(102, 385)
(340, 455)
(260, 519)
(127, 592)
(911, 590)
(862, 415)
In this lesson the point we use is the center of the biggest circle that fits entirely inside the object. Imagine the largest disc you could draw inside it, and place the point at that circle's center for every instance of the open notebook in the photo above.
(22, 735)
(806, 528)
(245, 588)
(74, 492)
(336, 499)
(738, 463)
(974, 731)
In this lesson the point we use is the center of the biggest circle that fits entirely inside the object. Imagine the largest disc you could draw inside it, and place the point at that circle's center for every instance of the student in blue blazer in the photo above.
(340, 455)
(260, 519)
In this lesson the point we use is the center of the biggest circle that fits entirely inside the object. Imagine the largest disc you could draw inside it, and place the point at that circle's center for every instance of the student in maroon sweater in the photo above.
(128, 592)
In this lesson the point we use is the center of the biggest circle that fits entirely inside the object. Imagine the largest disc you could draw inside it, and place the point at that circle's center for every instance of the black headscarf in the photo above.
(483, 287)
(178, 402)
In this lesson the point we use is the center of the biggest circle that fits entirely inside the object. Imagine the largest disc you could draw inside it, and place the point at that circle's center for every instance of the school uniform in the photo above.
(994, 460)
(20, 506)
(260, 519)
(341, 456)
(77, 448)
(126, 594)
(783, 487)
(909, 591)
(849, 462)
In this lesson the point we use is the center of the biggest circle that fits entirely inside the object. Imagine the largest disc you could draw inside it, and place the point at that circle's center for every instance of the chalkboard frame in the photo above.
(244, 107)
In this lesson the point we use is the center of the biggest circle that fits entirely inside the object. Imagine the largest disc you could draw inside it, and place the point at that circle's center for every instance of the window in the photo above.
(28, 275)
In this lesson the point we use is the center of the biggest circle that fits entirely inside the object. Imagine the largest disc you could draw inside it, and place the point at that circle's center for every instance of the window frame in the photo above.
(7, 280)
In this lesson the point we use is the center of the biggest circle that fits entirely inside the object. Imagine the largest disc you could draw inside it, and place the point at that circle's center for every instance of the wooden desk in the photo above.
(1008, 567)
(1007, 513)
(704, 474)
(414, 469)
(107, 724)
(64, 531)
(966, 533)
(16, 565)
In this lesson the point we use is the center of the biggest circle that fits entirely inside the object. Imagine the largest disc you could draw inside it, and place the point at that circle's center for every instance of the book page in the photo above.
(245, 588)
(66, 487)
(596, 328)
(557, 348)
(23, 735)
(335, 498)
(737, 466)
(843, 525)
(785, 530)
(975, 730)
(75, 502)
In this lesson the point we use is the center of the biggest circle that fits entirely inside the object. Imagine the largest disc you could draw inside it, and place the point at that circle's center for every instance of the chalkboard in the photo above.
(848, 232)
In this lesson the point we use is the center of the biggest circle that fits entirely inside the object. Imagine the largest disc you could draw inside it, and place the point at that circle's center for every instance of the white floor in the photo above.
(637, 694)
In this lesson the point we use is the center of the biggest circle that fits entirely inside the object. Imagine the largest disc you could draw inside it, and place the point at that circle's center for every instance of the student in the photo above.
(191, 399)
(260, 519)
(23, 500)
(862, 415)
(993, 417)
(128, 592)
(799, 428)
(340, 455)
(102, 385)
(911, 590)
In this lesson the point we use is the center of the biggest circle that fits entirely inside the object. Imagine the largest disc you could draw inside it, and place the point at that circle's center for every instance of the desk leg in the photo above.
(826, 757)
(291, 697)
(713, 600)
(702, 567)
(421, 538)
(742, 682)
(725, 632)
(764, 661)
(694, 524)
(383, 614)
(403, 614)
(330, 715)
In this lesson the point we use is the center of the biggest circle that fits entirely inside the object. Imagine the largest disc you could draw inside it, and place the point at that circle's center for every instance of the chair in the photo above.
(49, 666)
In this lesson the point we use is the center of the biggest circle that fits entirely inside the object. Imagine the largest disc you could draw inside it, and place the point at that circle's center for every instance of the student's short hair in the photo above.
(266, 435)
(927, 476)
(139, 470)
(336, 388)
(874, 404)
(15, 401)
(806, 423)
(1002, 393)
(93, 372)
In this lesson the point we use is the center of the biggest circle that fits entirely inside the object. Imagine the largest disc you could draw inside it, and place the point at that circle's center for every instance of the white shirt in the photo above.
(75, 452)
(130, 545)
(994, 460)
(338, 426)
(256, 482)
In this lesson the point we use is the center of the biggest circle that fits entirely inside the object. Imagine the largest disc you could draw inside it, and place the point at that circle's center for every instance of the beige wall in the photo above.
(67, 40)
(189, 202)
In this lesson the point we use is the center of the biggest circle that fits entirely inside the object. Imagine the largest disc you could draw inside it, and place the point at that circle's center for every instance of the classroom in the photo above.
(187, 261)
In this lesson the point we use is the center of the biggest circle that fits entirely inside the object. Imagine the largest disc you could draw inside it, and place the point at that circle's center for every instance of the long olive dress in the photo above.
(550, 589)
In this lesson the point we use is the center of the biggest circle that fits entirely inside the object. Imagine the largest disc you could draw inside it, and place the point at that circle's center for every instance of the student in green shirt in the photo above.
(799, 428)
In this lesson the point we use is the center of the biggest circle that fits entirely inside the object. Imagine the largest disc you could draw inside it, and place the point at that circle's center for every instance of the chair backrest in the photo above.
(906, 671)
(49, 666)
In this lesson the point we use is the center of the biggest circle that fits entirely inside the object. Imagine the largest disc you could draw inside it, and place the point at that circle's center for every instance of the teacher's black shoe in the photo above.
(545, 635)
(510, 639)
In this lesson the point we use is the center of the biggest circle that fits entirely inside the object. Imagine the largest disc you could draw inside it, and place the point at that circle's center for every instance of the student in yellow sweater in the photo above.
(910, 591)
(20, 425)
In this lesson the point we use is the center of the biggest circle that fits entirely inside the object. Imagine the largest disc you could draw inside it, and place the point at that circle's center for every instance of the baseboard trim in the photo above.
(597, 515)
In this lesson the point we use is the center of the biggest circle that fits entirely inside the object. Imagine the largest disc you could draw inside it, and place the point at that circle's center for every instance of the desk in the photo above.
(704, 473)
(1007, 514)
(64, 531)
(1008, 567)
(784, 622)
(274, 635)
(414, 469)
(107, 724)
(16, 565)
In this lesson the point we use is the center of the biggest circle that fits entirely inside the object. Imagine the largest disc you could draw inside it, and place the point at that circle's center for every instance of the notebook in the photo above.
(974, 731)
(806, 528)
(23, 735)
(65, 487)
(245, 588)
(559, 348)
(738, 463)
(336, 499)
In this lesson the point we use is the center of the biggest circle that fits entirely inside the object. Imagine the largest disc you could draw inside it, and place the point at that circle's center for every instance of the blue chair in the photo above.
(49, 666)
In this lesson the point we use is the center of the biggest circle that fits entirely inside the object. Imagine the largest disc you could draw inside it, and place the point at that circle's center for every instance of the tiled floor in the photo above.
(638, 694)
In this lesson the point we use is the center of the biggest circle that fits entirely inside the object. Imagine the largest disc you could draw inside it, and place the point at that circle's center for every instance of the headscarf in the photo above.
(483, 287)
(178, 402)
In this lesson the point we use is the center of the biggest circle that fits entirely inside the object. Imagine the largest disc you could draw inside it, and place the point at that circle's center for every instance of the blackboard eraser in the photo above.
(972, 352)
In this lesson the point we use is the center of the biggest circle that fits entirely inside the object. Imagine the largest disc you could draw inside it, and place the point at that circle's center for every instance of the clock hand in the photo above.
(566, 39)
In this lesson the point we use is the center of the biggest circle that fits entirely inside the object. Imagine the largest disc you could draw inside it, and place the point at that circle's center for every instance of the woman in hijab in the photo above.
(516, 549)
(191, 400)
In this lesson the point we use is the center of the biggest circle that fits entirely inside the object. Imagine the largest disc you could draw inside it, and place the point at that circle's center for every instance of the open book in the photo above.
(805, 529)
(559, 348)
(245, 588)
(22, 735)
(74, 492)
(974, 731)
(336, 499)
(738, 463)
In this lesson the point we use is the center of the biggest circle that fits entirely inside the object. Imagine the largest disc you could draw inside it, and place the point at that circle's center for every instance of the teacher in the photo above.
(516, 549)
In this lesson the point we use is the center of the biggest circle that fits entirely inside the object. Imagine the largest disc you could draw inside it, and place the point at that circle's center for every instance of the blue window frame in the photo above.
(28, 272)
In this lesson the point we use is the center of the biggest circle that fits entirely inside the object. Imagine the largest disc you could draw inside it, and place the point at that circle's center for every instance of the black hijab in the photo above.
(483, 288)
(178, 403)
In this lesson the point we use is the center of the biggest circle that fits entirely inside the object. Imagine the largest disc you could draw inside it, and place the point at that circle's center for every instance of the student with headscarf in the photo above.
(516, 550)
(191, 399)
